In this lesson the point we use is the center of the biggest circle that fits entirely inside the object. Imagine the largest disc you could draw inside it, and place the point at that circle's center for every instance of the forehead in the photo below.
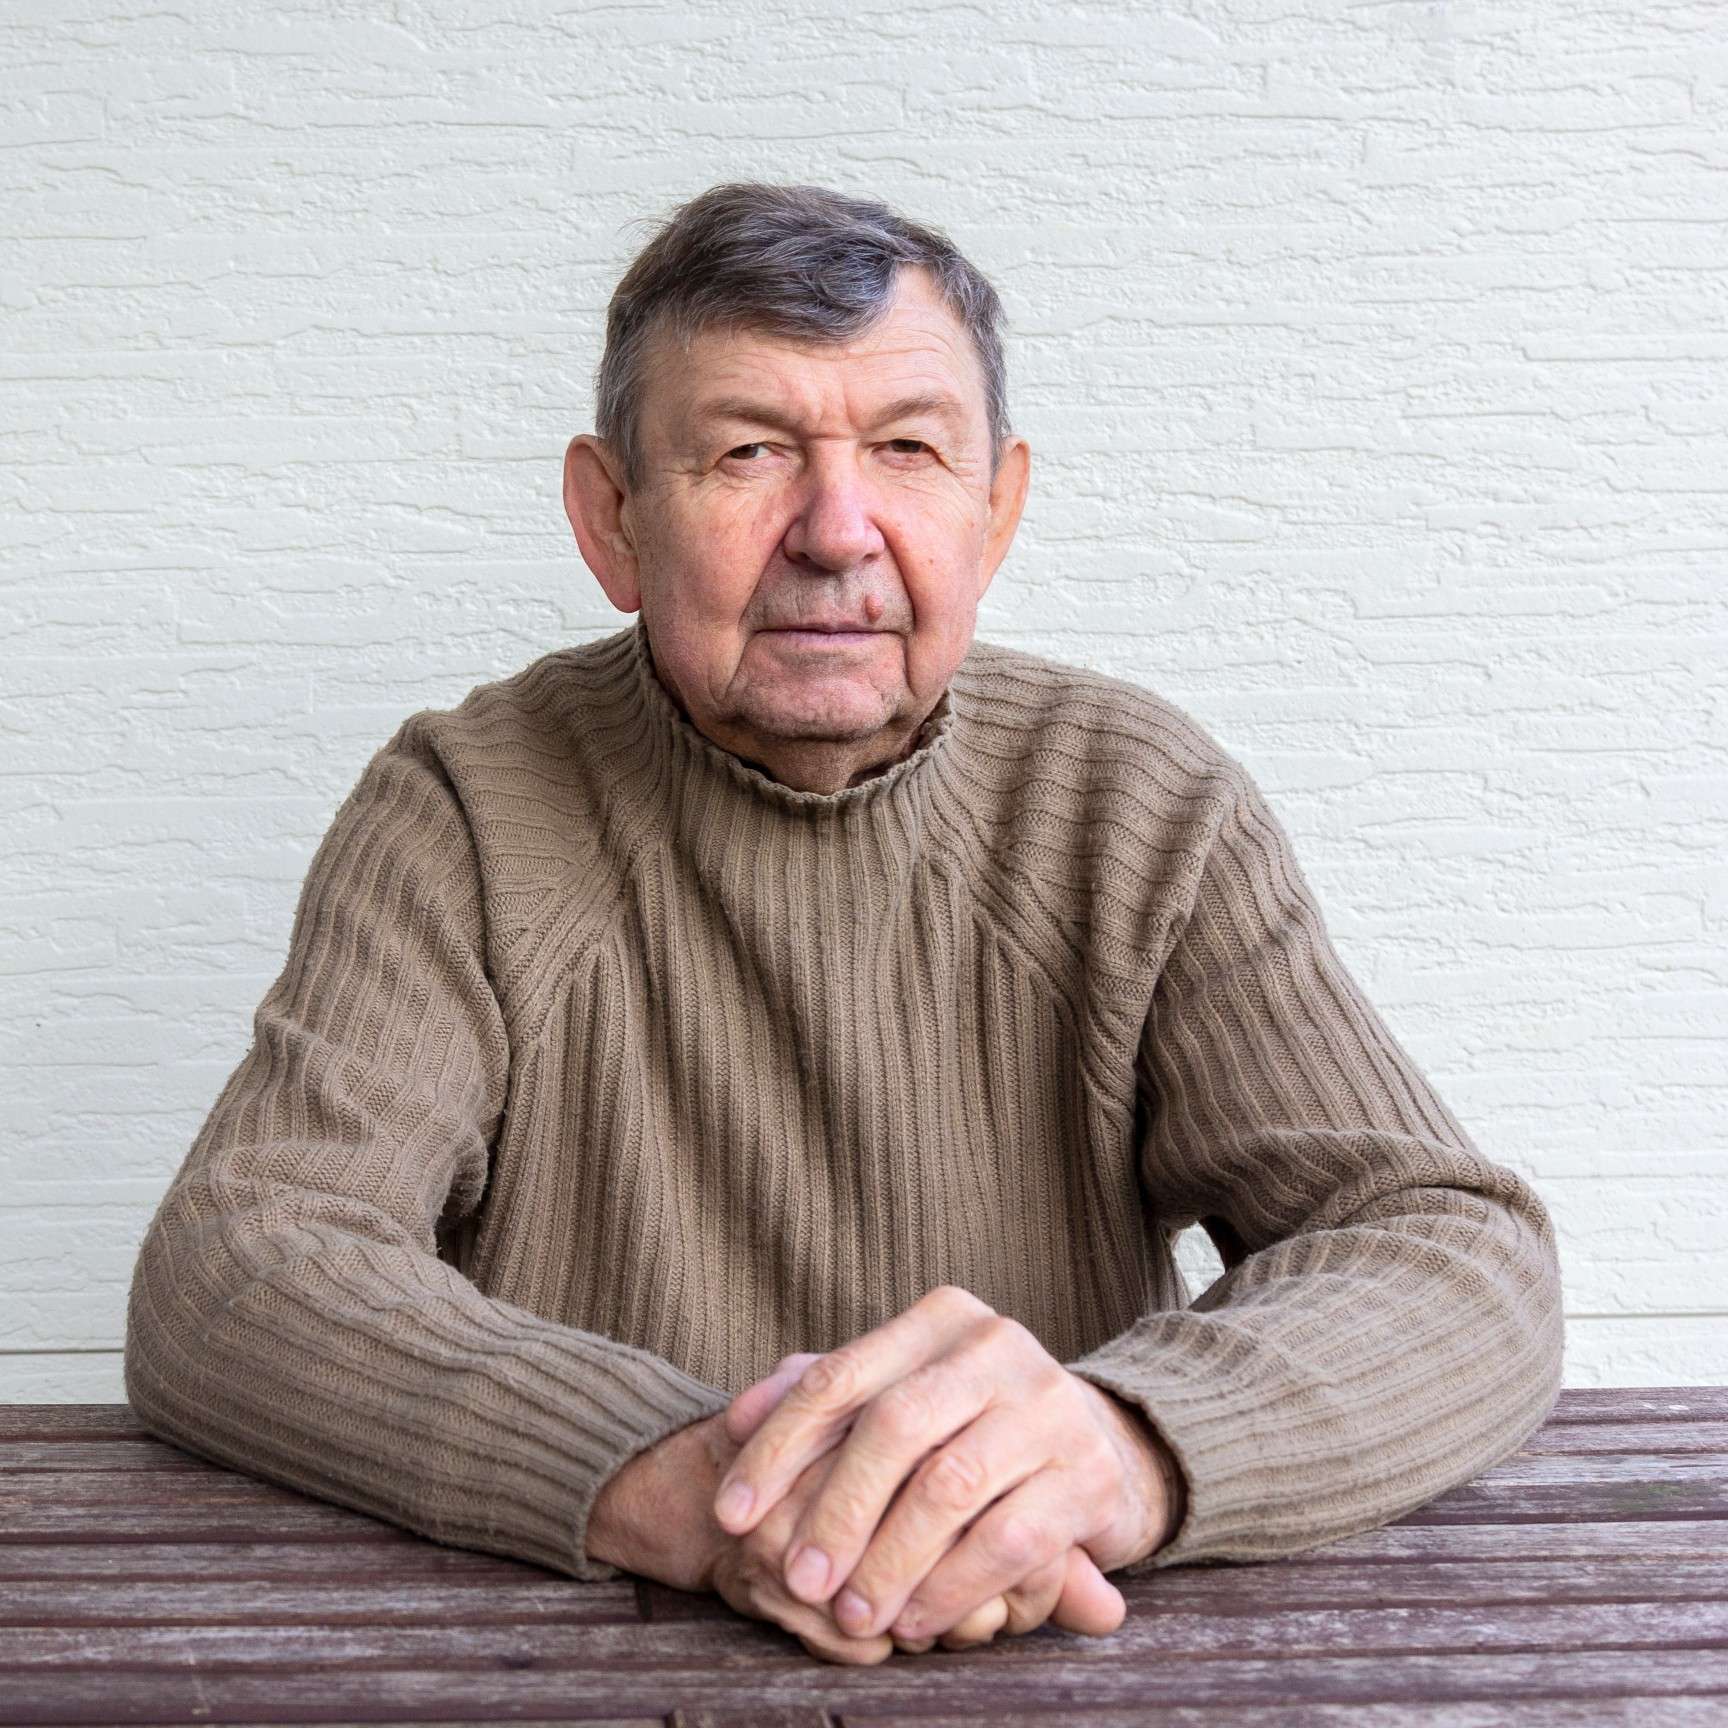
(917, 348)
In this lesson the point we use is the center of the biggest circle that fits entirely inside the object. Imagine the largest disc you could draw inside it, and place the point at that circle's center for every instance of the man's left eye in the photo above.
(918, 442)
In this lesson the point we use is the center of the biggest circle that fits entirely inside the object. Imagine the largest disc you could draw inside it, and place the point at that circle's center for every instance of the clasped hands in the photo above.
(938, 1477)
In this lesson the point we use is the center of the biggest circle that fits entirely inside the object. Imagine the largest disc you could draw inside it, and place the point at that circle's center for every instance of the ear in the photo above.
(594, 499)
(1007, 500)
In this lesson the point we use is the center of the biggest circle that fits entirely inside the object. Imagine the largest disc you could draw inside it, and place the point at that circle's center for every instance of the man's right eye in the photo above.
(737, 447)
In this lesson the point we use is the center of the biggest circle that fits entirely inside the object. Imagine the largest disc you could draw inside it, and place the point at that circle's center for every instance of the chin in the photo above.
(813, 722)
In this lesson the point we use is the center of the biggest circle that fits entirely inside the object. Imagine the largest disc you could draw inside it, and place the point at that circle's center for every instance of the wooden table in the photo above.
(1583, 1580)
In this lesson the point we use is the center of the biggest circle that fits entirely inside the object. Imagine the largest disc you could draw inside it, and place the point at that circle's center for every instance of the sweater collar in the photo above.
(695, 759)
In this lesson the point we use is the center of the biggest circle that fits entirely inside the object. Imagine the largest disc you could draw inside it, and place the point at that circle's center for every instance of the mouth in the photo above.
(822, 638)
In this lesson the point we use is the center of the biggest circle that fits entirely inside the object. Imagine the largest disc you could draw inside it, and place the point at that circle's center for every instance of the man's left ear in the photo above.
(1007, 500)
(594, 499)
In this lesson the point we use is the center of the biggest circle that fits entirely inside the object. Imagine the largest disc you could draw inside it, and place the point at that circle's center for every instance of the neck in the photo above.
(805, 764)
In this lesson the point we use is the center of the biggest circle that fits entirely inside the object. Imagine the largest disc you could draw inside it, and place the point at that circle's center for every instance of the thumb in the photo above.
(1089, 1602)
(747, 1412)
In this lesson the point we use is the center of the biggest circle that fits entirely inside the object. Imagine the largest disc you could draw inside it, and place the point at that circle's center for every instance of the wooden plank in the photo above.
(70, 1422)
(1277, 1589)
(1022, 1674)
(1571, 1488)
(1474, 1544)
(779, 1716)
(203, 1481)
(1575, 1404)
(1572, 1468)
(1576, 1501)
(1644, 1438)
(1539, 1713)
(401, 1557)
(339, 1600)
(1640, 1404)
(210, 1504)
(73, 1505)
(117, 1453)
(1153, 1633)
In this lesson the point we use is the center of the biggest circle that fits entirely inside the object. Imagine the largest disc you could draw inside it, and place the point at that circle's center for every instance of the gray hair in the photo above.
(801, 262)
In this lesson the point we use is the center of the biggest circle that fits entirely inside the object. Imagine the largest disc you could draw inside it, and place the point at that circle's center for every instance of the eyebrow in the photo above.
(935, 403)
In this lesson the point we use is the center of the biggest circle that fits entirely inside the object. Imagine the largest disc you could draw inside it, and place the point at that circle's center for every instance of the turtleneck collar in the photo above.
(699, 763)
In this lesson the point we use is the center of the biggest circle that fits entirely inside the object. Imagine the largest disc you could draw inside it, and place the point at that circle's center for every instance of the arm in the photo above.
(289, 1314)
(1388, 1324)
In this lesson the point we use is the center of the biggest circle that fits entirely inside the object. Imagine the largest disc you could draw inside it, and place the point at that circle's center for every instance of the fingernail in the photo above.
(735, 1503)
(852, 1611)
(809, 1574)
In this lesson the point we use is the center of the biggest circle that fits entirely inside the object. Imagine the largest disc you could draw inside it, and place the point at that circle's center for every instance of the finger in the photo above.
(951, 1488)
(979, 1627)
(821, 1637)
(1035, 1598)
(1089, 1602)
(744, 1415)
(750, 1580)
(810, 1419)
(1024, 1530)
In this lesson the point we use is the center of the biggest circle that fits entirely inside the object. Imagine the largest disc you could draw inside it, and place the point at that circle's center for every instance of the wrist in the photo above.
(1167, 1484)
(1175, 1492)
(655, 1515)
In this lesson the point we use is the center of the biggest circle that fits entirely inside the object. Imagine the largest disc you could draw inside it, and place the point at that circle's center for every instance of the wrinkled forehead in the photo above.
(917, 355)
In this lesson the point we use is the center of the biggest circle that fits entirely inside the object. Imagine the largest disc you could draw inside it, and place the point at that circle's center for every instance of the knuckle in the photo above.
(980, 1626)
(1033, 1600)
(956, 1299)
(1004, 1329)
(953, 1481)
(1015, 1542)
(904, 1413)
(1096, 1459)
(758, 1565)
(832, 1522)
(830, 1380)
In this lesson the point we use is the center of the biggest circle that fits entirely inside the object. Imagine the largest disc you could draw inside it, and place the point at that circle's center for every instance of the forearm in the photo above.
(296, 1335)
(1339, 1380)
(1388, 1323)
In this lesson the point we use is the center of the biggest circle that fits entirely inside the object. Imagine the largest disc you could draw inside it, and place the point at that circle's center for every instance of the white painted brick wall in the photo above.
(1375, 359)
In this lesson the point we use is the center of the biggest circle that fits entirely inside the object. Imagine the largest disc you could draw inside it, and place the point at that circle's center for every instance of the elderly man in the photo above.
(766, 1054)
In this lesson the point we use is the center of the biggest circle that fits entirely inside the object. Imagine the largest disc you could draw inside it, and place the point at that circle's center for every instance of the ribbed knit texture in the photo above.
(604, 1070)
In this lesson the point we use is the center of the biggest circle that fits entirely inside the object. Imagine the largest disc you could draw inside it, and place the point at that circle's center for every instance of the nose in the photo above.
(834, 527)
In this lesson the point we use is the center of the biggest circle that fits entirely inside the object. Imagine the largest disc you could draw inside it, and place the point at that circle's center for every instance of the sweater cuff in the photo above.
(1271, 1467)
(658, 1399)
(1210, 1430)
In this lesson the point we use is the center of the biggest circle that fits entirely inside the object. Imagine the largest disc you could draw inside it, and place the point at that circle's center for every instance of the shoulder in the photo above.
(1091, 733)
(524, 732)
(522, 757)
(1100, 796)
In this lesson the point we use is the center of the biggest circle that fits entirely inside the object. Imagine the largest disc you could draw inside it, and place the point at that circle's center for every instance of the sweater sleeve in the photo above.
(1389, 1321)
(289, 1312)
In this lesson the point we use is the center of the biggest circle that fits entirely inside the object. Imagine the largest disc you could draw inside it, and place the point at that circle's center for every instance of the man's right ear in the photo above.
(594, 501)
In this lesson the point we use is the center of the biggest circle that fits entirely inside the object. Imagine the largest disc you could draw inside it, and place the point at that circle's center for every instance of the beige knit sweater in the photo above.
(604, 1070)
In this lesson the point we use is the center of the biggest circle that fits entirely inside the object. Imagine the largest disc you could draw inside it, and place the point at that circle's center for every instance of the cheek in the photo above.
(937, 537)
(727, 546)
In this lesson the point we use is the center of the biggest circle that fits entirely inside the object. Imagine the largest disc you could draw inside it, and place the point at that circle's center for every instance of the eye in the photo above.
(737, 447)
(919, 442)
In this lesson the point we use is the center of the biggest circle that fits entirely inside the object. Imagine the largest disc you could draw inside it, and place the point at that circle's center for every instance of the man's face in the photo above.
(822, 487)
